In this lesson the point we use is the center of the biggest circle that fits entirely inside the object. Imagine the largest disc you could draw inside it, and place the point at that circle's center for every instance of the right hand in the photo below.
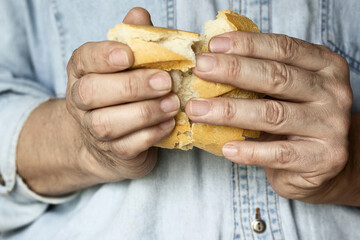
(121, 114)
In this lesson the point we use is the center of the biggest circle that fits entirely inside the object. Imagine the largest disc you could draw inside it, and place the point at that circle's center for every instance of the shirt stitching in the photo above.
(269, 16)
(248, 199)
(233, 191)
(260, 13)
(231, 4)
(325, 38)
(175, 16)
(278, 215)
(61, 31)
(240, 204)
(267, 207)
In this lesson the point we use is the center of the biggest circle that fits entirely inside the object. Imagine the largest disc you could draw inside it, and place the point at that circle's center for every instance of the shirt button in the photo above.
(258, 225)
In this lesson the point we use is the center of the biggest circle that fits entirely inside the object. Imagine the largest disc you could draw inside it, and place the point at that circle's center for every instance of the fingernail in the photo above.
(220, 44)
(170, 104)
(119, 57)
(205, 63)
(199, 107)
(160, 81)
(167, 124)
(229, 150)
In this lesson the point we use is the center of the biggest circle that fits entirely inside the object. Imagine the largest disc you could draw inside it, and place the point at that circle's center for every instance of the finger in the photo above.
(117, 121)
(136, 167)
(296, 156)
(101, 90)
(99, 57)
(131, 145)
(276, 47)
(138, 16)
(271, 116)
(270, 77)
(291, 185)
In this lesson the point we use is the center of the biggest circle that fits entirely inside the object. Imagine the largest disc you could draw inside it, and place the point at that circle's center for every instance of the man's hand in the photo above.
(102, 132)
(306, 118)
(121, 114)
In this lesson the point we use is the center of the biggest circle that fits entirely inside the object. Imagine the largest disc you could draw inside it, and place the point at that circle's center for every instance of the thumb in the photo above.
(138, 16)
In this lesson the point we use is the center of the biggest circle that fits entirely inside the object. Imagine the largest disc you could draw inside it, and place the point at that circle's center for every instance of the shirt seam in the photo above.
(61, 31)
(240, 204)
(269, 15)
(260, 13)
(248, 200)
(231, 4)
(267, 207)
(278, 215)
(325, 37)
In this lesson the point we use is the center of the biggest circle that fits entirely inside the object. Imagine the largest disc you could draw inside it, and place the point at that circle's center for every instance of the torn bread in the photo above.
(174, 51)
(156, 47)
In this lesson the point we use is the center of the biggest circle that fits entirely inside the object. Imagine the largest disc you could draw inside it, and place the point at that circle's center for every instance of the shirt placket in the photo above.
(171, 11)
(251, 190)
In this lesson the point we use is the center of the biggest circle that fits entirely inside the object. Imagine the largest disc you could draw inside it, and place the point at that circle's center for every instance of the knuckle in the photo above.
(131, 86)
(286, 48)
(85, 90)
(149, 139)
(274, 113)
(124, 151)
(99, 125)
(339, 158)
(233, 67)
(145, 112)
(250, 156)
(284, 153)
(246, 42)
(280, 186)
(141, 171)
(229, 109)
(145, 165)
(76, 63)
(345, 97)
(339, 61)
(279, 76)
(342, 125)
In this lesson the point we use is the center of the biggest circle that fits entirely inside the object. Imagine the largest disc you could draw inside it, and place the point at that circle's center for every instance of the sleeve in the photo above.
(20, 93)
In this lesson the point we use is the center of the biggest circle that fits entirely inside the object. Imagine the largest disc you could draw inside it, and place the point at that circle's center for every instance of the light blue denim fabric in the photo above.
(189, 195)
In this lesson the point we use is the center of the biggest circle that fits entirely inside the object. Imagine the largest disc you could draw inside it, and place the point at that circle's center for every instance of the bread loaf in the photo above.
(174, 51)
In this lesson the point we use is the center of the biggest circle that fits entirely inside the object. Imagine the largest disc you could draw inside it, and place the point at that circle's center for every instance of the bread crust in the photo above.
(146, 44)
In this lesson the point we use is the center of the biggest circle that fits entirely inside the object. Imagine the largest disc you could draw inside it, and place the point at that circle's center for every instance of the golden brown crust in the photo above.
(212, 138)
(146, 44)
(240, 22)
(242, 93)
(210, 89)
(149, 30)
(181, 135)
(150, 54)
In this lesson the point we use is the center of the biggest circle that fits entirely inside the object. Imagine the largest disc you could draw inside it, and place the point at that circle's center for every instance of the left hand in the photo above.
(305, 122)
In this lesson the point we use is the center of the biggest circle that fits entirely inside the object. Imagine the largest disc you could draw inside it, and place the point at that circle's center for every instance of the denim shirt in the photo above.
(189, 195)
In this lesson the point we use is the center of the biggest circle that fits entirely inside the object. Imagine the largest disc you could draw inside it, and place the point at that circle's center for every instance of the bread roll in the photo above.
(174, 51)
